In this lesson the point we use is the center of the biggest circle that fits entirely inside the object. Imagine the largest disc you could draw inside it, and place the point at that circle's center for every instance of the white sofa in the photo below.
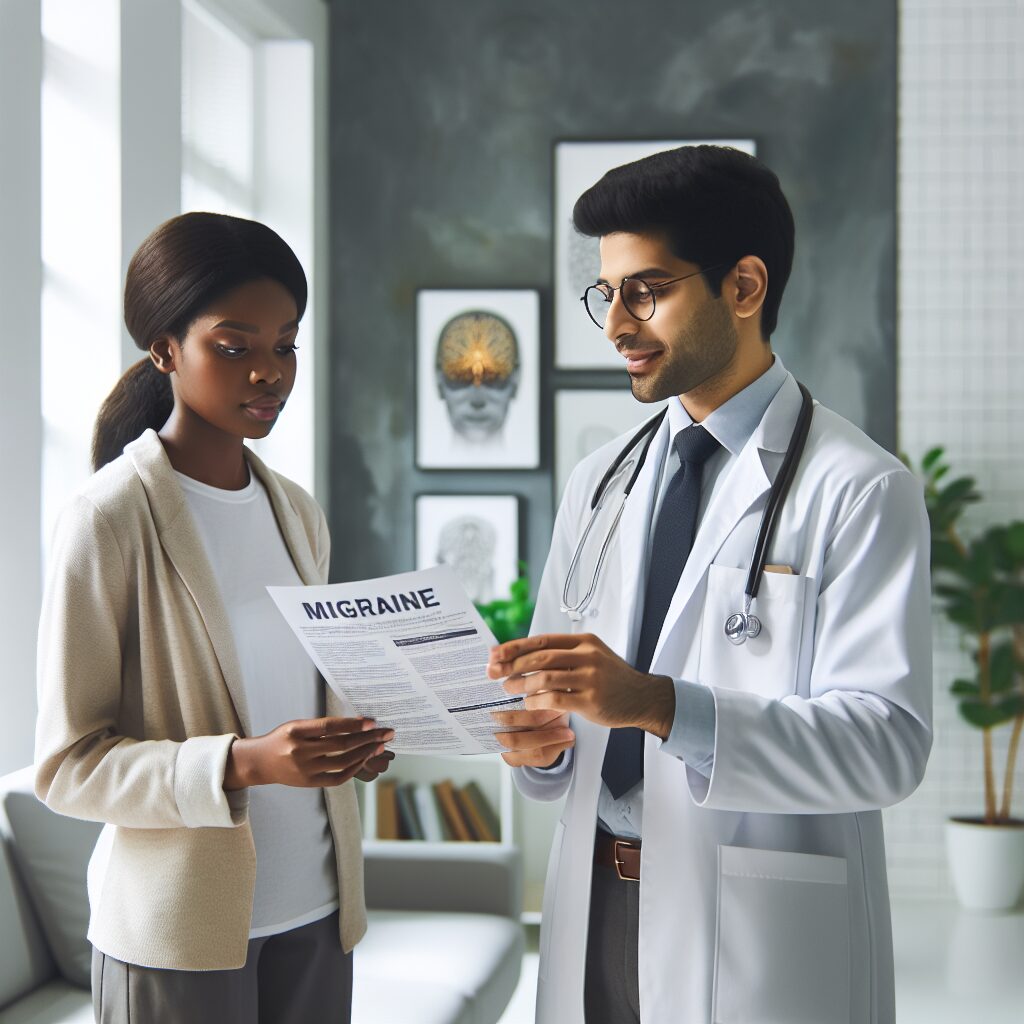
(444, 944)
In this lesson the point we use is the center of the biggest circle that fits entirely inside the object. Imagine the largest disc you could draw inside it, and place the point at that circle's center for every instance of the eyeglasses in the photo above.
(637, 296)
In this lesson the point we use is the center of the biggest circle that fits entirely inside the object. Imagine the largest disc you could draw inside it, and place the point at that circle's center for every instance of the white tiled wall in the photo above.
(961, 341)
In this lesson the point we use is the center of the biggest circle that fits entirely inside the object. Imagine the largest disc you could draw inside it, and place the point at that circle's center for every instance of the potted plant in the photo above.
(979, 584)
(509, 618)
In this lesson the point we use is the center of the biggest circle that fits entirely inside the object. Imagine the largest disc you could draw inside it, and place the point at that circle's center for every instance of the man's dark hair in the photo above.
(713, 204)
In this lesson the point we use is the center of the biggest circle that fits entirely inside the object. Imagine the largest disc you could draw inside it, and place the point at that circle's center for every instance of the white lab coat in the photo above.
(763, 891)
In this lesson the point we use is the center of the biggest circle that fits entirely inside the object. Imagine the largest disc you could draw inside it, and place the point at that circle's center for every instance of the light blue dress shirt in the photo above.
(692, 738)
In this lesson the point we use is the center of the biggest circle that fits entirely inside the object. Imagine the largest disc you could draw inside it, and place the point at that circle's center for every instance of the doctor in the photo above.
(720, 854)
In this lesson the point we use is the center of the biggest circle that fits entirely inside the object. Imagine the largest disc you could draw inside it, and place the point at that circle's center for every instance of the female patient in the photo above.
(165, 671)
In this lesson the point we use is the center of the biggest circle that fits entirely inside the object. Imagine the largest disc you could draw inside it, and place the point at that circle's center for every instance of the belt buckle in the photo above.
(619, 862)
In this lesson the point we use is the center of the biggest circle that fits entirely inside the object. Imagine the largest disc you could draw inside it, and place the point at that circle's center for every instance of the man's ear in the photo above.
(751, 286)
(161, 353)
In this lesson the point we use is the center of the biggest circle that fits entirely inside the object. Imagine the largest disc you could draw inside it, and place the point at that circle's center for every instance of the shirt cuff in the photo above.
(692, 738)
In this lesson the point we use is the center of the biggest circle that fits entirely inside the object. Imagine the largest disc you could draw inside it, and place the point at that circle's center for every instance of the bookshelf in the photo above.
(488, 771)
(524, 823)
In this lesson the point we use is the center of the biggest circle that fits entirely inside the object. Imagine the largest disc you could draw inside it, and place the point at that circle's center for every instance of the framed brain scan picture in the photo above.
(476, 534)
(578, 165)
(477, 379)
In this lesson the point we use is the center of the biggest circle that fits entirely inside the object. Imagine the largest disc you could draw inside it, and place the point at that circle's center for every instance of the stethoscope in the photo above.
(740, 625)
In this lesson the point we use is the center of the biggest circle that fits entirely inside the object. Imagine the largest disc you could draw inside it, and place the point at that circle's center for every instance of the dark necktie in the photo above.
(673, 537)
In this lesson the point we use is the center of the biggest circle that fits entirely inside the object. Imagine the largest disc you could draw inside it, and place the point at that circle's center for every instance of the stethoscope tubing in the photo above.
(766, 529)
(777, 495)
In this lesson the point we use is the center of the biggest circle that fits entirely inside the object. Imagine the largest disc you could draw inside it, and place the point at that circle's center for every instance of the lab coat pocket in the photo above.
(768, 663)
(783, 946)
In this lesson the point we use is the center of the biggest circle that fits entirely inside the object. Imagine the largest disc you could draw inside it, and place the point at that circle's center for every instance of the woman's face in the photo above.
(235, 367)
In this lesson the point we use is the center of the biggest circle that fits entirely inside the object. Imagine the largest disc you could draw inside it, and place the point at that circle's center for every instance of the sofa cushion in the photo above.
(476, 956)
(400, 1001)
(52, 853)
(55, 1003)
(24, 960)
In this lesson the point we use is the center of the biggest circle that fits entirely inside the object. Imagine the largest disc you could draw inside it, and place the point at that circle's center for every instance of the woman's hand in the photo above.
(376, 765)
(314, 752)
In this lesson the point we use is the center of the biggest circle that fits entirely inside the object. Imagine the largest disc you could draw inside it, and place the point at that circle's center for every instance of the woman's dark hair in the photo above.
(179, 270)
(714, 205)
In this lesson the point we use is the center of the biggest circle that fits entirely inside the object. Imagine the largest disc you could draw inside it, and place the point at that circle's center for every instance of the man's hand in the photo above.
(314, 752)
(578, 672)
(540, 741)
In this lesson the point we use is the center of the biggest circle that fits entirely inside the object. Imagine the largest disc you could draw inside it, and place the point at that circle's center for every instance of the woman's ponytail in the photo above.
(142, 398)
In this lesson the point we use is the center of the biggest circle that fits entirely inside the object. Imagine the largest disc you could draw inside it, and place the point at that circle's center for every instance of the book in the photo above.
(482, 818)
(410, 827)
(446, 830)
(428, 811)
(387, 811)
(450, 807)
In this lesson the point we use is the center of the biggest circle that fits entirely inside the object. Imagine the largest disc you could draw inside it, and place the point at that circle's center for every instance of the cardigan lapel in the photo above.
(295, 537)
(184, 548)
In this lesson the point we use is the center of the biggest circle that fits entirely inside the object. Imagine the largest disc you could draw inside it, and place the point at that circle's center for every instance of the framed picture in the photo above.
(477, 379)
(587, 419)
(476, 534)
(578, 165)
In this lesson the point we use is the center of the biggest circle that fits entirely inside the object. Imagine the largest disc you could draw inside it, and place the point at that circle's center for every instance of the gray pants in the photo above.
(296, 977)
(611, 993)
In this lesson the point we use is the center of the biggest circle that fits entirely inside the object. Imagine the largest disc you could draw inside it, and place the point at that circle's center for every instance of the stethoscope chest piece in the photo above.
(740, 626)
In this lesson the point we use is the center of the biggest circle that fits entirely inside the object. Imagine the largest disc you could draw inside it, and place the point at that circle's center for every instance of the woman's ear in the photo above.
(751, 285)
(161, 352)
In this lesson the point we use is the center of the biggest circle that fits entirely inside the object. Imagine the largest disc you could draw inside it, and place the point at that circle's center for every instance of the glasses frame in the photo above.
(652, 288)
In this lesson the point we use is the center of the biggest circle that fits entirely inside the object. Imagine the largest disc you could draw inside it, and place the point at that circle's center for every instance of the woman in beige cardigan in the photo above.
(165, 673)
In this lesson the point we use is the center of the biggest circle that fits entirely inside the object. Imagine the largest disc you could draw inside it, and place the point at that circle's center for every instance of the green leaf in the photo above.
(964, 614)
(1002, 667)
(964, 688)
(946, 555)
(1015, 542)
(939, 474)
(931, 457)
(982, 558)
(960, 490)
(984, 716)
(1007, 604)
(1012, 704)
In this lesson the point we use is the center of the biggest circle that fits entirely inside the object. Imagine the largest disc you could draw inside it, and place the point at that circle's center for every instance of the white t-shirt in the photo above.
(296, 879)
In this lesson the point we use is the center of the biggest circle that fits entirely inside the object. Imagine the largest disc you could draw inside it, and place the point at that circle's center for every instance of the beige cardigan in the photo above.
(140, 696)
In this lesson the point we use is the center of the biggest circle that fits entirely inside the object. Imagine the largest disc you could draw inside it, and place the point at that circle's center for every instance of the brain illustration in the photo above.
(477, 348)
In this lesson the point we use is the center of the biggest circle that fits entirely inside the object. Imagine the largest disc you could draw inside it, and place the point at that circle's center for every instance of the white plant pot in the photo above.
(987, 863)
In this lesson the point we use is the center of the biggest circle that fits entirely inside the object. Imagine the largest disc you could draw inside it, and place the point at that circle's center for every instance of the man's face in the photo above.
(690, 341)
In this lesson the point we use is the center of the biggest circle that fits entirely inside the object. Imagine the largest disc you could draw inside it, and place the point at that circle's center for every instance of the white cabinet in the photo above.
(524, 823)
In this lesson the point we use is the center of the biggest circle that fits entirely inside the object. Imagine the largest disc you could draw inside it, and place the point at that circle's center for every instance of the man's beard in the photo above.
(701, 351)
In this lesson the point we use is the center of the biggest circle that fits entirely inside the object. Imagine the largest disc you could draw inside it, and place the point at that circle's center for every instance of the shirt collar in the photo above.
(732, 423)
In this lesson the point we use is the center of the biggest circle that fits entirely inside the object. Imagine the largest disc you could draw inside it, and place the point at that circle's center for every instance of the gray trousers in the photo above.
(296, 977)
(611, 992)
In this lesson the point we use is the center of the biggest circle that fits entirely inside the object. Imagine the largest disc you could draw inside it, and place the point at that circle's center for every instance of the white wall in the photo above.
(961, 350)
(21, 421)
(90, 121)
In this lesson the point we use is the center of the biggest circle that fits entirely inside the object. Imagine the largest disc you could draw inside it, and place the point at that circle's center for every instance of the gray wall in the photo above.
(443, 118)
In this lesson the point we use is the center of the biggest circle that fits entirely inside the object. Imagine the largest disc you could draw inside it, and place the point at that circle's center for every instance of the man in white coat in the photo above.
(720, 855)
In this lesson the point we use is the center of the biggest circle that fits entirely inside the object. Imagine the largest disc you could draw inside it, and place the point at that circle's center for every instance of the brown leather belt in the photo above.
(621, 854)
